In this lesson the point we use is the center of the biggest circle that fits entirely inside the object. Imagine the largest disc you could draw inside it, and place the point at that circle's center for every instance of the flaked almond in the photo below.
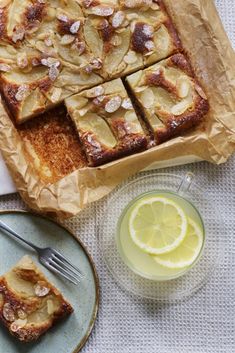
(113, 104)
(48, 42)
(80, 47)
(67, 39)
(50, 307)
(96, 63)
(4, 67)
(147, 98)
(56, 94)
(131, 4)
(95, 92)
(22, 92)
(102, 10)
(116, 40)
(18, 324)
(126, 103)
(40, 290)
(118, 19)
(62, 17)
(22, 60)
(18, 34)
(8, 312)
(75, 27)
(53, 73)
(200, 91)
(183, 86)
(149, 45)
(21, 314)
(50, 62)
(130, 57)
(148, 30)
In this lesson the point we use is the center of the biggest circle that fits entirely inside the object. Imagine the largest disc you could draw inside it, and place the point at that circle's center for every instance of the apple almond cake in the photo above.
(29, 303)
(97, 80)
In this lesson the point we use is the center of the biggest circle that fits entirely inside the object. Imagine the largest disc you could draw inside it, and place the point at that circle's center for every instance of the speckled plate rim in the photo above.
(96, 278)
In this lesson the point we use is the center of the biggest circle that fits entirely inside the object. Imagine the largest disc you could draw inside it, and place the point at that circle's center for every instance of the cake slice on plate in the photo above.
(29, 303)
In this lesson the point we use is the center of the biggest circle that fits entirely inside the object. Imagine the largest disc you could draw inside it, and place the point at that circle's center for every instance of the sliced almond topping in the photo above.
(40, 290)
(200, 91)
(18, 34)
(149, 45)
(113, 104)
(80, 47)
(22, 60)
(96, 63)
(56, 94)
(18, 324)
(75, 27)
(147, 98)
(67, 39)
(132, 3)
(126, 103)
(148, 30)
(102, 10)
(8, 312)
(62, 17)
(50, 62)
(48, 42)
(118, 19)
(22, 92)
(95, 92)
(21, 314)
(53, 73)
(4, 67)
(183, 86)
(130, 57)
(132, 16)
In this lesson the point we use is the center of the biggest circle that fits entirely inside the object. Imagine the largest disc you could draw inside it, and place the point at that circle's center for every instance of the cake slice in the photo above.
(169, 97)
(29, 303)
(129, 34)
(106, 122)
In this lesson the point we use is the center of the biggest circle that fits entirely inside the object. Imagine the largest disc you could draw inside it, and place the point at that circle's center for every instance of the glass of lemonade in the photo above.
(173, 262)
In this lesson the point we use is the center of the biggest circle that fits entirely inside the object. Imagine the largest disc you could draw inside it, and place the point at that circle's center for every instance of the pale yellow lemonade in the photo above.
(142, 262)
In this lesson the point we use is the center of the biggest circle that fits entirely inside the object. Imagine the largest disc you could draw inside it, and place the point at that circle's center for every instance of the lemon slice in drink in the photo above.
(157, 225)
(187, 252)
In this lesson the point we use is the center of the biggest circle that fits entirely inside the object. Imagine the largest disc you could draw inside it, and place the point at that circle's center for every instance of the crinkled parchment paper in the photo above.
(213, 59)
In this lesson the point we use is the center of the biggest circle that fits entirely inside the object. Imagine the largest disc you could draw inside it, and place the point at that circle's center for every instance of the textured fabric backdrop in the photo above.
(204, 323)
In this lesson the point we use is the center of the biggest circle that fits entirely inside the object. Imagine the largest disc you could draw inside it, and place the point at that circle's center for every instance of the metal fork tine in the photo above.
(60, 268)
(62, 258)
(53, 269)
(65, 266)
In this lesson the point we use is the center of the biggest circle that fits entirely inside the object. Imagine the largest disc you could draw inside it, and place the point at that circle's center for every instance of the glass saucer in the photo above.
(170, 290)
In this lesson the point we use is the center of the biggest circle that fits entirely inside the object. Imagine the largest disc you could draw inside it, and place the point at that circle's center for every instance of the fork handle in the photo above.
(16, 235)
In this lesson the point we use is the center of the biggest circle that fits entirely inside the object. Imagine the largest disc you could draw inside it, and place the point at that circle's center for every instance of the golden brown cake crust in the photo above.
(16, 310)
(56, 143)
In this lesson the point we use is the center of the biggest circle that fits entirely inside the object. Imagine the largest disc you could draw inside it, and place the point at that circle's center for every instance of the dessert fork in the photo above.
(50, 258)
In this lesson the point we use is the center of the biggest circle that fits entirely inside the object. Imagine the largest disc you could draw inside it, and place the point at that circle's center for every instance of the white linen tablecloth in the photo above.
(205, 323)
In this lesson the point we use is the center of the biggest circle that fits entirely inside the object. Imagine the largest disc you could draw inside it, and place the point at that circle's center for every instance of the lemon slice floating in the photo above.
(157, 225)
(188, 250)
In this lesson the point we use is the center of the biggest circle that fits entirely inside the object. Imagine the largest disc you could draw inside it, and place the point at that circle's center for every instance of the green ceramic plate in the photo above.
(70, 335)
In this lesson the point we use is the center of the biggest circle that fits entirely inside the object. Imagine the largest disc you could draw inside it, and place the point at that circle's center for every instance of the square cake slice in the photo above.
(29, 303)
(129, 34)
(169, 97)
(107, 124)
